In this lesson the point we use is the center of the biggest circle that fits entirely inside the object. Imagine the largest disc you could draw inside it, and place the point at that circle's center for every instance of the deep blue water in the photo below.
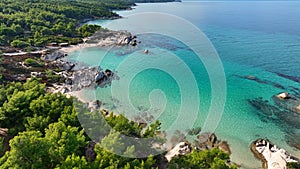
(265, 34)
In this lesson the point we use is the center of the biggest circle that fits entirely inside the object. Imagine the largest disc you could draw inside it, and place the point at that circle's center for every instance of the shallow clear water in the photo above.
(251, 38)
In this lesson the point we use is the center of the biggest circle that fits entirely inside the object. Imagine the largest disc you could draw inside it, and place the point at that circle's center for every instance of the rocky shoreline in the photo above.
(103, 38)
(87, 77)
(271, 156)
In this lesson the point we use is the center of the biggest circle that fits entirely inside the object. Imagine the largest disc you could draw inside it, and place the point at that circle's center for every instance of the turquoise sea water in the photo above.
(251, 38)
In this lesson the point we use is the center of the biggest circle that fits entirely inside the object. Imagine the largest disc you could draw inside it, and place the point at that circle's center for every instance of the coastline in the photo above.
(74, 48)
(102, 39)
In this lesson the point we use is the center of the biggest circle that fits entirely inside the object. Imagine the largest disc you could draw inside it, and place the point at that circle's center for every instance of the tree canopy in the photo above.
(39, 22)
(45, 132)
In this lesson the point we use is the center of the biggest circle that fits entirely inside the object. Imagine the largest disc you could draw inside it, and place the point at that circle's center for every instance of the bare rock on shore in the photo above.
(271, 156)
(53, 56)
(92, 77)
(208, 141)
(181, 148)
(109, 38)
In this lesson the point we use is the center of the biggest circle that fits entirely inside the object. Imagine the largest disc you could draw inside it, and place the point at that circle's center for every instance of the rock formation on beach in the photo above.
(271, 156)
(208, 141)
(181, 148)
(85, 78)
(204, 141)
(112, 38)
(282, 109)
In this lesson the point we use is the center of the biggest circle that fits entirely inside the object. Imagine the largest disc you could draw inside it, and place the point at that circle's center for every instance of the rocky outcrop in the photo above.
(110, 38)
(53, 56)
(206, 141)
(129, 40)
(92, 77)
(83, 78)
(181, 148)
(271, 156)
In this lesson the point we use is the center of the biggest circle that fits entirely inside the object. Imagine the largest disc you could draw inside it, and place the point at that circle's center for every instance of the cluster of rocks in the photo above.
(207, 141)
(53, 56)
(85, 78)
(112, 38)
(88, 77)
(104, 78)
(129, 40)
(271, 156)
(204, 141)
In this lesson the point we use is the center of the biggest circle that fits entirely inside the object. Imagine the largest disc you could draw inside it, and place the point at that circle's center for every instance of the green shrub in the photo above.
(32, 62)
(19, 44)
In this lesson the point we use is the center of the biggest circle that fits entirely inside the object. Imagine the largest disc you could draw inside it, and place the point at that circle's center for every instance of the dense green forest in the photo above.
(45, 132)
(38, 22)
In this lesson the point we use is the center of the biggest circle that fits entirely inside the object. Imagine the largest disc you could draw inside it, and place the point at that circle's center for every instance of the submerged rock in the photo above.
(282, 113)
(293, 78)
(287, 101)
(261, 81)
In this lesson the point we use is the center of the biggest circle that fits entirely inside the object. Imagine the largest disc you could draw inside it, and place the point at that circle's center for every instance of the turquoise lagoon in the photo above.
(251, 38)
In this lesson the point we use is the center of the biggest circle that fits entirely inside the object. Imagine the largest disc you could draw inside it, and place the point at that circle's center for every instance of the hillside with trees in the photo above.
(39, 22)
